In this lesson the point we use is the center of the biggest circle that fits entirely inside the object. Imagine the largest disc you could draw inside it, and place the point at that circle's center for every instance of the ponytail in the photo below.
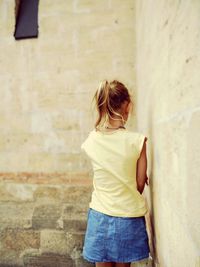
(102, 97)
(108, 98)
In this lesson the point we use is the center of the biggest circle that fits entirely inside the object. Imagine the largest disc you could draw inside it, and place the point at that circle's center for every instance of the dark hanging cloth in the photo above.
(27, 20)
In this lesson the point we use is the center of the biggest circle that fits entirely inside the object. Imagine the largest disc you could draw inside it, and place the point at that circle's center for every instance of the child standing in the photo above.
(116, 228)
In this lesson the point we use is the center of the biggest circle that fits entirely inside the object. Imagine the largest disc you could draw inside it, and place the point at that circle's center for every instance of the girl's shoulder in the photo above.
(136, 135)
(131, 137)
(136, 139)
(125, 132)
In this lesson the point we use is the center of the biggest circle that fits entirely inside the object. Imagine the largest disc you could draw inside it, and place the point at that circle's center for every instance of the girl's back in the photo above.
(114, 158)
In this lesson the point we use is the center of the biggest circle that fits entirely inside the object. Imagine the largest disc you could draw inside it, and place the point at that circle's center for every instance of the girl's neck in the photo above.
(115, 124)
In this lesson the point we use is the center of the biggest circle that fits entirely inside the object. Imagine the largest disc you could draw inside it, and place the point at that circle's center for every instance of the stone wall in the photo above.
(46, 89)
(168, 98)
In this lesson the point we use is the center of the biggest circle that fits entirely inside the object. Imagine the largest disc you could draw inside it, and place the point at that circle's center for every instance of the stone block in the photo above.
(75, 210)
(88, 6)
(14, 50)
(66, 162)
(41, 162)
(13, 160)
(48, 260)
(16, 192)
(46, 216)
(77, 194)
(18, 124)
(74, 241)
(48, 193)
(53, 61)
(48, 8)
(53, 241)
(17, 239)
(10, 258)
(16, 215)
(75, 218)
(73, 225)
(58, 25)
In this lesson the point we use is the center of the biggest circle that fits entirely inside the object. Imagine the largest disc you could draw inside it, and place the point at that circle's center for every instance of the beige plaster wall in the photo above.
(46, 86)
(168, 109)
(47, 83)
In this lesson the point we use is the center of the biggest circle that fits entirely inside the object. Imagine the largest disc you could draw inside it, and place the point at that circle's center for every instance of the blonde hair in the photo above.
(109, 98)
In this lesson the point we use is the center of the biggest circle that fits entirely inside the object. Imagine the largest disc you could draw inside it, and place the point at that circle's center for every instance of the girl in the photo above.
(116, 228)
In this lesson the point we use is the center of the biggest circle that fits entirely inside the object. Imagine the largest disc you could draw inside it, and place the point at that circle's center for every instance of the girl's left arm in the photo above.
(141, 176)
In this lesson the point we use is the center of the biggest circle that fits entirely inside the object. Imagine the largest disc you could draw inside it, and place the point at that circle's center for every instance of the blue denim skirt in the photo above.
(115, 239)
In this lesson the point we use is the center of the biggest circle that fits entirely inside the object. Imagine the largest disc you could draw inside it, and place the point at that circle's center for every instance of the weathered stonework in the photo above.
(168, 110)
(47, 85)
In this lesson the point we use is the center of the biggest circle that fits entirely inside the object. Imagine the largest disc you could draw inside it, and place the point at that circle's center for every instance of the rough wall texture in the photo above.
(47, 83)
(168, 80)
(45, 113)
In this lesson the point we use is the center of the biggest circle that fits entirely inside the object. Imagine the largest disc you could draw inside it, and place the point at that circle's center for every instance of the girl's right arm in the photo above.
(141, 176)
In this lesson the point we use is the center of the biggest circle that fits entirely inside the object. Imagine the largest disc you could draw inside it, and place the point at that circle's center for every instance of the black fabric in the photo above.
(27, 20)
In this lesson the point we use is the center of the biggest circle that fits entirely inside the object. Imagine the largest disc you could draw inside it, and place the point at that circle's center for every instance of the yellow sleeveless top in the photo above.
(114, 157)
